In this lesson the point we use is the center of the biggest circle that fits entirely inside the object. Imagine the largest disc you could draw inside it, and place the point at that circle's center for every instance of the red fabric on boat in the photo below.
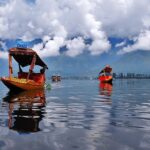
(22, 75)
(104, 78)
(37, 77)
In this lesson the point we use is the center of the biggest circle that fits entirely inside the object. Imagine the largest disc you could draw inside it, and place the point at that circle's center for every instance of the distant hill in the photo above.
(83, 65)
(136, 62)
(87, 65)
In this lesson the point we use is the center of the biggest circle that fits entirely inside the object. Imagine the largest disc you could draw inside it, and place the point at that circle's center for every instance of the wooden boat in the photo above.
(105, 75)
(56, 78)
(25, 80)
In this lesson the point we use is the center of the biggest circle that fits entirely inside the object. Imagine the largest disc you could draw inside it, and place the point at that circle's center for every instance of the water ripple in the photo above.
(86, 114)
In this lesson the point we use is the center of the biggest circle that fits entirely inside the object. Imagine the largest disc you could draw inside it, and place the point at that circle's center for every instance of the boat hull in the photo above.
(106, 79)
(21, 84)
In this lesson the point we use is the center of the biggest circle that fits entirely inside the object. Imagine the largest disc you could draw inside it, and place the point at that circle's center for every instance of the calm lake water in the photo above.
(77, 115)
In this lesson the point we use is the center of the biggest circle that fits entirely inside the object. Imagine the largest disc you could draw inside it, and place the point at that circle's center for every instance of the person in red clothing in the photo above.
(106, 70)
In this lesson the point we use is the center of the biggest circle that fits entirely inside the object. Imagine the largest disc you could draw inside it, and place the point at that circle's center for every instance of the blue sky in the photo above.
(75, 29)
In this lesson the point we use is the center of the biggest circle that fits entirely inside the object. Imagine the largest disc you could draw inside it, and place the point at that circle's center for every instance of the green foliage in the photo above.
(47, 86)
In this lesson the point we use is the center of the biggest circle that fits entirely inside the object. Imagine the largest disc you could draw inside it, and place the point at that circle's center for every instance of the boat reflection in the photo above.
(105, 89)
(25, 110)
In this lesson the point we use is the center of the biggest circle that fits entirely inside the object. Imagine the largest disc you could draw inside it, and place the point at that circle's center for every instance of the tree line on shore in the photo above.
(115, 75)
(131, 76)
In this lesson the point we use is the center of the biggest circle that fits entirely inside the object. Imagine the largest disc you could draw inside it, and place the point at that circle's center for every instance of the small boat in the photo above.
(56, 78)
(105, 75)
(25, 80)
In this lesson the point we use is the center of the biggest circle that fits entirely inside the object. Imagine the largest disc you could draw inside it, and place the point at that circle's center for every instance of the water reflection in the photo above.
(25, 110)
(105, 89)
(79, 115)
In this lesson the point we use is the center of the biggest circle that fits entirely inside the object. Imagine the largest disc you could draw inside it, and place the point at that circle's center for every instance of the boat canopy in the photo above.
(24, 57)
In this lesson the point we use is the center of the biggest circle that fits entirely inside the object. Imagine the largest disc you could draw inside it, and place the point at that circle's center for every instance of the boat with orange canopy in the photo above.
(25, 80)
(105, 75)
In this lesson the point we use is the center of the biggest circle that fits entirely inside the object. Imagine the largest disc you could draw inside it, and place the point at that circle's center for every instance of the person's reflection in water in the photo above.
(25, 110)
(105, 89)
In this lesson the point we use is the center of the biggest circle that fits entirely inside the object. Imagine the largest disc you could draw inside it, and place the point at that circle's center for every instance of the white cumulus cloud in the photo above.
(120, 44)
(50, 47)
(75, 47)
(63, 20)
(141, 42)
(4, 53)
